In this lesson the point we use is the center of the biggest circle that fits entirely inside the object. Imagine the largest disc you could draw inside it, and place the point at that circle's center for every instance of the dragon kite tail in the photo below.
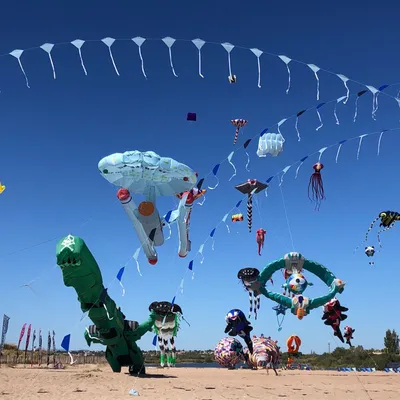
(384, 230)
(236, 135)
(250, 211)
(371, 226)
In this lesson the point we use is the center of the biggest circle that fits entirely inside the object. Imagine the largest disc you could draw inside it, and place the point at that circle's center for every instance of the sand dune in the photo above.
(88, 382)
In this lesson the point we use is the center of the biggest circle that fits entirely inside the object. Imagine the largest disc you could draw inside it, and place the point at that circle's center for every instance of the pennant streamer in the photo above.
(119, 278)
(65, 345)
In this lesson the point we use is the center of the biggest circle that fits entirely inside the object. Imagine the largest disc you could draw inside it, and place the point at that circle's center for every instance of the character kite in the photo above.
(348, 334)
(333, 316)
(260, 238)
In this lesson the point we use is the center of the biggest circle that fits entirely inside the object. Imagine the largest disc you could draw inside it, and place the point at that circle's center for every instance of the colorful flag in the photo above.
(4, 331)
(28, 337)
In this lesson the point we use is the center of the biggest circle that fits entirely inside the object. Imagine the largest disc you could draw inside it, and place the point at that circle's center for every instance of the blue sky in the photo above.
(54, 134)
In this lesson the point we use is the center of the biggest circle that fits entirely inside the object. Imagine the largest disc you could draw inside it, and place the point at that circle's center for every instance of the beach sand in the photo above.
(86, 382)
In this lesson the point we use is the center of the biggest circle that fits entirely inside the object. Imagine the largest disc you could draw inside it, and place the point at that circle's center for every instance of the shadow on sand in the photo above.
(155, 376)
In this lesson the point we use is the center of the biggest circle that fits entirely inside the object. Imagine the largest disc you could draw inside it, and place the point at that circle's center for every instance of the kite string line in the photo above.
(85, 222)
(287, 218)
(271, 234)
(355, 372)
(217, 44)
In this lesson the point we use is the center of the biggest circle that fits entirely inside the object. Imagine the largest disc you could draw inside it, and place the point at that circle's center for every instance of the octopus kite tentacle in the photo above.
(316, 186)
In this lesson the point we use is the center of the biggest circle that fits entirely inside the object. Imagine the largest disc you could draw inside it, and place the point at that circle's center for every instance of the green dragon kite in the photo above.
(81, 271)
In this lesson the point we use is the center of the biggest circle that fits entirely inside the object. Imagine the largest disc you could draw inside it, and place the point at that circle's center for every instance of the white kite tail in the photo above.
(147, 245)
(71, 358)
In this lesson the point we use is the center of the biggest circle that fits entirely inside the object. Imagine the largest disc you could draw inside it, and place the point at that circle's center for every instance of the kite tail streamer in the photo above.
(371, 226)
(359, 145)
(297, 129)
(135, 257)
(335, 114)
(356, 110)
(200, 203)
(248, 162)
(216, 185)
(250, 211)
(321, 124)
(200, 251)
(287, 60)
(142, 61)
(78, 43)
(233, 166)
(338, 152)
(224, 221)
(379, 142)
(236, 135)
(384, 230)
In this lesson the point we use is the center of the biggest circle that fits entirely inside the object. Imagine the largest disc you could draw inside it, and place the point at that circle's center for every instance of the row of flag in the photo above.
(198, 43)
(51, 344)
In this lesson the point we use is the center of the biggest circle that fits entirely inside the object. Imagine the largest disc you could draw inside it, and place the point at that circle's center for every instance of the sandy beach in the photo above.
(86, 382)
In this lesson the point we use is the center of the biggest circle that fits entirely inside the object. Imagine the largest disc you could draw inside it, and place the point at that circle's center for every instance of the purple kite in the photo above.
(191, 117)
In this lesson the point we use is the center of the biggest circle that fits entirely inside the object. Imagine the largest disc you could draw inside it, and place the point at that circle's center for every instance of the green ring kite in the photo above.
(293, 263)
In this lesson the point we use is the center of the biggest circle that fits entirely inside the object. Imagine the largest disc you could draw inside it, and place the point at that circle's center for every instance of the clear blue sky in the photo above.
(53, 135)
